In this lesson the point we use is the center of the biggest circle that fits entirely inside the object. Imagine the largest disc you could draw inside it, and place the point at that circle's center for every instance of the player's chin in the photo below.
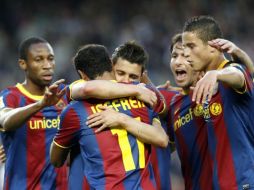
(181, 84)
(45, 82)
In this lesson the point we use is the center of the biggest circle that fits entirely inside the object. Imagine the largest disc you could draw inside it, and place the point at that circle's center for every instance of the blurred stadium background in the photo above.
(69, 24)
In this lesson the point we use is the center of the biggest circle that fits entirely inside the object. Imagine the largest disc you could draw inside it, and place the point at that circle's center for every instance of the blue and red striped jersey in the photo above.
(27, 148)
(112, 159)
(163, 155)
(230, 129)
(76, 178)
(191, 141)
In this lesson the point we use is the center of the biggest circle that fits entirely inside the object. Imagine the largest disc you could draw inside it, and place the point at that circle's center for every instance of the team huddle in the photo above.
(113, 129)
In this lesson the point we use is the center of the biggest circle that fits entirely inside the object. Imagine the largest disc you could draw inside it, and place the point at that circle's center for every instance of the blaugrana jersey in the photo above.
(27, 148)
(229, 117)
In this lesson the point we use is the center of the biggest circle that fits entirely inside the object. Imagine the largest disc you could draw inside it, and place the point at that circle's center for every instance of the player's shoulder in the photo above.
(237, 65)
(75, 110)
(74, 105)
(180, 99)
(10, 91)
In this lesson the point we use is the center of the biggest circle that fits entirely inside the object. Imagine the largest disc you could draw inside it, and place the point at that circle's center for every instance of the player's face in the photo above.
(40, 64)
(196, 51)
(127, 72)
(183, 73)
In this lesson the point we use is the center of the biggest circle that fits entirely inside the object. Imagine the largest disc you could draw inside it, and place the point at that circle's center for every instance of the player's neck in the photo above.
(33, 88)
(215, 63)
(106, 76)
(185, 91)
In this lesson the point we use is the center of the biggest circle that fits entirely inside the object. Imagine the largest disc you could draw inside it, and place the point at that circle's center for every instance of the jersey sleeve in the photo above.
(248, 83)
(160, 106)
(69, 130)
(69, 92)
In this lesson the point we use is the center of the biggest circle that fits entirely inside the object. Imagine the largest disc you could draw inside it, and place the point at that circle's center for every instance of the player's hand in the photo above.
(167, 85)
(146, 95)
(2, 154)
(52, 94)
(205, 87)
(107, 118)
(224, 45)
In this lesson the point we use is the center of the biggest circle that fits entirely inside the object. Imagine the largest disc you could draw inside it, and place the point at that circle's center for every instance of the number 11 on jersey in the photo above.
(126, 150)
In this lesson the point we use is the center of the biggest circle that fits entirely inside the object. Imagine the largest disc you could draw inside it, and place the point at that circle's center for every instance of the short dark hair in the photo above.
(93, 60)
(175, 39)
(206, 27)
(132, 52)
(25, 45)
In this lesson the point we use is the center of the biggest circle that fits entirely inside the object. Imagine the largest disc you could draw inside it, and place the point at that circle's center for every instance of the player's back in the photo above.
(27, 148)
(113, 158)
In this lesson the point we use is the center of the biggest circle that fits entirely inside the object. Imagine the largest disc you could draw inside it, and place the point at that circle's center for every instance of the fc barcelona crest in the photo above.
(215, 109)
(60, 104)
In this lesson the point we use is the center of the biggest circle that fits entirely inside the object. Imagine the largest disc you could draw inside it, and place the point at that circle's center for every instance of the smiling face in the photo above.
(197, 53)
(183, 73)
(126, 71)
(39, 64)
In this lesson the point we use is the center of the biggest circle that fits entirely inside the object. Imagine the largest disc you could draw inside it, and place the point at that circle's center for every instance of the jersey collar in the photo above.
(26, 93)
(222, 64)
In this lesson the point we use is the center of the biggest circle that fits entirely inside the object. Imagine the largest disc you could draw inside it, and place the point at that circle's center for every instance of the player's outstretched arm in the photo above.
(13, 118)
(103, 89)
(109, 118)
(237, 53)
(204, 88)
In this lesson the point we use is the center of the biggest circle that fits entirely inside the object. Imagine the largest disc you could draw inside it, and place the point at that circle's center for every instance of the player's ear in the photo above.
(22, 64)
(83, 75)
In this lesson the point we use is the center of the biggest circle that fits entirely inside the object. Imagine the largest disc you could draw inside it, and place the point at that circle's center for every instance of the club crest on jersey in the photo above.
(215, 109)
(60, 104)
(198, 110)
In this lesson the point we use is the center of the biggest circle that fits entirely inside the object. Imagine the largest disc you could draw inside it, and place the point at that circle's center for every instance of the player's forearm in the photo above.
(243, 57)
(12, 119)
(146, 133)
(232, 77)
(102, 89)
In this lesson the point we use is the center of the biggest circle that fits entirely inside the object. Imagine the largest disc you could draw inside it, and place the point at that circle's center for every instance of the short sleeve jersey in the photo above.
(230, 122)
(27, 148)
(112, 159)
